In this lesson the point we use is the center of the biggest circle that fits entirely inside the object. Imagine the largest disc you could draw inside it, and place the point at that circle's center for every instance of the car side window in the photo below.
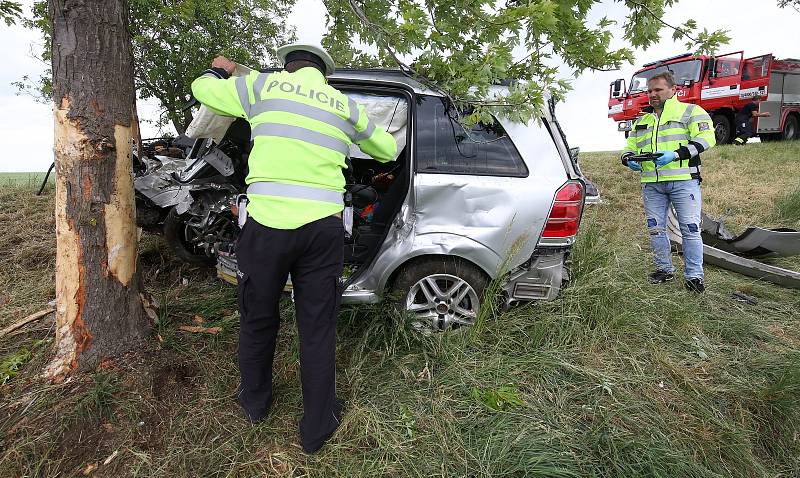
(443, 146)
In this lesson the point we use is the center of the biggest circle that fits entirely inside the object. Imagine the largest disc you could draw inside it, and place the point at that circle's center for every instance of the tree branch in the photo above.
(653, 14)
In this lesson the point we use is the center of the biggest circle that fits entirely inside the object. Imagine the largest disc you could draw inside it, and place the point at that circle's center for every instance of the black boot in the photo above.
(695, 285)
(659, 277)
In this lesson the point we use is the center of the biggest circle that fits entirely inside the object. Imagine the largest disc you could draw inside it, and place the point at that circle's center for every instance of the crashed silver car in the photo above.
(458, 208)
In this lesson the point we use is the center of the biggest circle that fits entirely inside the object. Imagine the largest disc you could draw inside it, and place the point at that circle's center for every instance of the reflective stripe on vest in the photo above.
(366, 133)
(663, 173)
(701, 117)
(687, 113)
(244, 97)
(295, 191)
(672, 124)
(702, 142)
(300, 134)
(353, 119)
(673, 137)
(258, 86)
(302, 109)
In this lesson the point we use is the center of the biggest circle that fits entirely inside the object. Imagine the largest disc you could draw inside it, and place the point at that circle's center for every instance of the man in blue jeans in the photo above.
(677, 132)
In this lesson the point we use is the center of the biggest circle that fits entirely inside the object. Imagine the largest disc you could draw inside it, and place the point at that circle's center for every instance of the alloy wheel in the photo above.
(442, 302)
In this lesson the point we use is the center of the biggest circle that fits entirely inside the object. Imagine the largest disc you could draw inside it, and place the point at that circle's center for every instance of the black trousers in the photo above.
(313, 255)
(744, 128)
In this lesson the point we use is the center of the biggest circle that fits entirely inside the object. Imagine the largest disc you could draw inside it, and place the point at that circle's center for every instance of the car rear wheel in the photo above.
(440, 294)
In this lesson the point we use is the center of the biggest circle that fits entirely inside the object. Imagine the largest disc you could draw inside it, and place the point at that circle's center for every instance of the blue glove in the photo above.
(634, 165)
(665, 158)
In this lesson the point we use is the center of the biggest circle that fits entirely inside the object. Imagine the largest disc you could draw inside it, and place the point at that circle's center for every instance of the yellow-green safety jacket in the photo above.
(682, 127)
(302, 129)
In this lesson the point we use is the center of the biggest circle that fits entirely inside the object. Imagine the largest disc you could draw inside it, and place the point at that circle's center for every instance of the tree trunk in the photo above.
(179, 126)
(180, 119)
(99, 310)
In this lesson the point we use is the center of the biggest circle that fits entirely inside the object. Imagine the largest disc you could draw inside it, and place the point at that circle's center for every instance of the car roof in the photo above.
(379, 75)
(383, 76)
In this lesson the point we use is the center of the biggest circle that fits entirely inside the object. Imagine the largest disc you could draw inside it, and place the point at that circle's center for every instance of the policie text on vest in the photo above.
(287, 87)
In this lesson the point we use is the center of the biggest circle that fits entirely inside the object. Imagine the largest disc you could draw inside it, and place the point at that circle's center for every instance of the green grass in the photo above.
(616, 378)
(25, 180)
(789, 207)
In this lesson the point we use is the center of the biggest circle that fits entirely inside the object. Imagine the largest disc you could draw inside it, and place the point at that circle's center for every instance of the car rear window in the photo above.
(444, 146)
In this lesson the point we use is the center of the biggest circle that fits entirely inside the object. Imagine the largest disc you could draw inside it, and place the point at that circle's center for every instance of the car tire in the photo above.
(440, 294)
(175, 235)
(722, 128)
(790, 129)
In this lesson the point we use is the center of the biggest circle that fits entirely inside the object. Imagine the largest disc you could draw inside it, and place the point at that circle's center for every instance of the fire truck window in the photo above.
(639, 84)
(755, 68)
(682, 71)
(727, 67)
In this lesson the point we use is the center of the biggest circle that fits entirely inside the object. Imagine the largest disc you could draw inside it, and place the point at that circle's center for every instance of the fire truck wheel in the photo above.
(790, 128)
(722, 128)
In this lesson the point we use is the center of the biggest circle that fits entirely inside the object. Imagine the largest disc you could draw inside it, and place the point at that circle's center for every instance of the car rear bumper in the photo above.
(539, 278)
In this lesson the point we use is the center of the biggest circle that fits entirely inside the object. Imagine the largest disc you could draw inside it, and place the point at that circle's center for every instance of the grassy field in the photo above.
(25, 180)
(617, 378)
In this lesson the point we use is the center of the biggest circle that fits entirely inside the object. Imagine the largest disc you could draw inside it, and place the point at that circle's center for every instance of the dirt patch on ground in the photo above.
(174, 381)
(171, 382)
(81, 443)
(145, 391)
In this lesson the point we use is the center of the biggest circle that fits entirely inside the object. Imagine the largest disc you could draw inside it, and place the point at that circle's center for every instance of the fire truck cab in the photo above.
(721, 85)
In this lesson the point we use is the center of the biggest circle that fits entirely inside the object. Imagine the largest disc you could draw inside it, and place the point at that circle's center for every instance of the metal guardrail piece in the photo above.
(753, 242)
(732, 262)
(751, 268)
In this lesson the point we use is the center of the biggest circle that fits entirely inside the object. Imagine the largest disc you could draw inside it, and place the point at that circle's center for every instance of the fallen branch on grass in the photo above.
(200, 330)
(31, 318)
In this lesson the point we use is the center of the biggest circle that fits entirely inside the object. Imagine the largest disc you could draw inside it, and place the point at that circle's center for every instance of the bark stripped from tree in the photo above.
(99, 312)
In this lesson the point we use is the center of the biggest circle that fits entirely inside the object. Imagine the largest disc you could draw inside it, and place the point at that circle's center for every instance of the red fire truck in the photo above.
(721, 85)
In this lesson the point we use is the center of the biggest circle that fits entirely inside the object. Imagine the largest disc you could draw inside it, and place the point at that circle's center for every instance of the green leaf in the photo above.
(498, 399)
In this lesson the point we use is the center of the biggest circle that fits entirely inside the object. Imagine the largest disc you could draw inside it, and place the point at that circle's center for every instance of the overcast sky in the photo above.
(756, 26)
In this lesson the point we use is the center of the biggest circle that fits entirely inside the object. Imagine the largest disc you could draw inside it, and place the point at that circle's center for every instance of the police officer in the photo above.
(679, 132)
(302, 129)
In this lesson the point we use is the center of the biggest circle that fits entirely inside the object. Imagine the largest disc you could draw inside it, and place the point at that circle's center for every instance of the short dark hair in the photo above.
(306, 58)
(294, 65)
(666, 76)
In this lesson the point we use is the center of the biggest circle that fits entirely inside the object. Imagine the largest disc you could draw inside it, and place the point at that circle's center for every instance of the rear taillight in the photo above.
(565, 216)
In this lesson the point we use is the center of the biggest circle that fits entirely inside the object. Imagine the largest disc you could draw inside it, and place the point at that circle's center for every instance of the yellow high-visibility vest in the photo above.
(302, 129)
(682, 127)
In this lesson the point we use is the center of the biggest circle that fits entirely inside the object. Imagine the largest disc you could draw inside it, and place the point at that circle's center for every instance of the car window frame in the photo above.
(520, 160)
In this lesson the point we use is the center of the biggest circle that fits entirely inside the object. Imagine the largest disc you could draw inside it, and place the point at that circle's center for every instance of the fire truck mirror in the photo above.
(617, 88)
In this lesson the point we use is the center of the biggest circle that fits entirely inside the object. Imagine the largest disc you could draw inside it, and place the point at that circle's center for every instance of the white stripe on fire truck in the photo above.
(615, 109)
(753, 92)
(720, 92)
